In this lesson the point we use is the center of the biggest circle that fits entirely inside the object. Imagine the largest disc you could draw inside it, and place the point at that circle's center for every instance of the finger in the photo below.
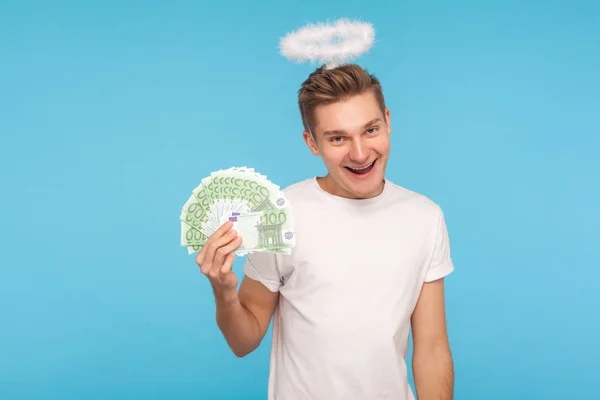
(224, 251)
(214, 248)
(202, 253)
(217, 251)
(228, 264)
(200, 256)
(207, 253)
(216, 235)
(218, 243)
(227, 277)
(223, 229)
(228, 280)
(201, 259)
(205, 266)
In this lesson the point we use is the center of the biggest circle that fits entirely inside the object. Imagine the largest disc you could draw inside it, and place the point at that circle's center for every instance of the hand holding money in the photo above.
(257, 209)
(216, 257)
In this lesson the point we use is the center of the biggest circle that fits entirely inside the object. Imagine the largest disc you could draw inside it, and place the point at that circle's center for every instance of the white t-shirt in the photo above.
(347, 291)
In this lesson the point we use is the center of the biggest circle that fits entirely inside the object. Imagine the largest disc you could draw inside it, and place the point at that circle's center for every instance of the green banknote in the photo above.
(261, 213)
(266, 230)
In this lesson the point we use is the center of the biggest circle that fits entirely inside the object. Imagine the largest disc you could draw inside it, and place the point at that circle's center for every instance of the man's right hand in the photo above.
(216, 258)
(242, 317)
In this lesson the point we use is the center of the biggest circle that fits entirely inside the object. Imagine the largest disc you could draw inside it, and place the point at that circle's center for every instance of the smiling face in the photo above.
(352, 136)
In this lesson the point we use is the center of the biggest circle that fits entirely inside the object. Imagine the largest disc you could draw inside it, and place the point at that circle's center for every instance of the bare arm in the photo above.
(243, 317)
(433, 368)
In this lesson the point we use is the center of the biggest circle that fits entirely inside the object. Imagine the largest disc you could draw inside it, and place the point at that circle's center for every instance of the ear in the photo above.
(388, 121)
(310, 142)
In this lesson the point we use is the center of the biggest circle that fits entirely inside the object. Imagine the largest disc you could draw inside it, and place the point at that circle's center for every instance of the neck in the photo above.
(328, 184)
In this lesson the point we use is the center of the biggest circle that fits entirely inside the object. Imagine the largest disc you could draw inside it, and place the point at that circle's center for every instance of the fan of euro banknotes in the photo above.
(258, 208)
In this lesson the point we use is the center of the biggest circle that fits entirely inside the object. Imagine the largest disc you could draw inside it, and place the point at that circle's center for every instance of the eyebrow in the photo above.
(341, 132)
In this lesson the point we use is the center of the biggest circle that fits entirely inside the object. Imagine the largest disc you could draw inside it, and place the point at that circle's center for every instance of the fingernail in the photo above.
(232, 233)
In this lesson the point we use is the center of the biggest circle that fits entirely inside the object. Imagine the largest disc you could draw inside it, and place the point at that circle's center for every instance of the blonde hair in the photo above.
(326, 86)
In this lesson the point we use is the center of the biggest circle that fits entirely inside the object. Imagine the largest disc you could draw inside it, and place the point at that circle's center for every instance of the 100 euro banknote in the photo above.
(267, 230)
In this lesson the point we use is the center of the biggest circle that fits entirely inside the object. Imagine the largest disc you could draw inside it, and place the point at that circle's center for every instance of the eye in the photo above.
(372, 130)
(336, 139)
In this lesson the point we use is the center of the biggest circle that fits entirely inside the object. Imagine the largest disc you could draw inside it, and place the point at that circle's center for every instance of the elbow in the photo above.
(242, 351)
(434, 347)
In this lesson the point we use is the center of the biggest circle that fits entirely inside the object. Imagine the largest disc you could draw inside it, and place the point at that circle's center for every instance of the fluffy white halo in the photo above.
(330, 43)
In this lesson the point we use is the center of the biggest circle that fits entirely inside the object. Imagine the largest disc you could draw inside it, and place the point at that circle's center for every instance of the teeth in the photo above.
(361, 168)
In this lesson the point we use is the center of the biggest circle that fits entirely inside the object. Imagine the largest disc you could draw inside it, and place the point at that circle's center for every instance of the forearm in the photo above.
(433, 372)
(238, 325)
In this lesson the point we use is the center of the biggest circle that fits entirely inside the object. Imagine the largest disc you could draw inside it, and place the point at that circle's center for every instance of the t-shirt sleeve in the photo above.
(263, 267)
(441, 263)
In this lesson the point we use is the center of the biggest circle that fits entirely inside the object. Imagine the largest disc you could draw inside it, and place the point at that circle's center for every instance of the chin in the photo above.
(366, 183)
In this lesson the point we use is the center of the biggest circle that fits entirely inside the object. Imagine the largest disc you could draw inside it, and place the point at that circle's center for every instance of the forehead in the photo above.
(348, 115)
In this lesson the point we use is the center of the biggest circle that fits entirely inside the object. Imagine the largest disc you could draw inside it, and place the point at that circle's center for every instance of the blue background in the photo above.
(112, 112)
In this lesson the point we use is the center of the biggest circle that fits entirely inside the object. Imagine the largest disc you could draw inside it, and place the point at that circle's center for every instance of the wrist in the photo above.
(226, 296)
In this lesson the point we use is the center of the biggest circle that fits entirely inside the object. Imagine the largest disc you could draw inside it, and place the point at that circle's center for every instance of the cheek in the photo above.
(334, 155)
(382, 146)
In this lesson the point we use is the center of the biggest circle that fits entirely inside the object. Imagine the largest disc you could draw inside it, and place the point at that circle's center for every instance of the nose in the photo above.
(358, 151)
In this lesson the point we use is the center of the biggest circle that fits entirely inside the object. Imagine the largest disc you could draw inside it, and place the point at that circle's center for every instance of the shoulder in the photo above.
(300, 191)
(302, 186)
(421, 216)
(418, 203)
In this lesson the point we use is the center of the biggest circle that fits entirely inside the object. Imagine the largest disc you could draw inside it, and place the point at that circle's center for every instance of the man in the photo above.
(369, 262)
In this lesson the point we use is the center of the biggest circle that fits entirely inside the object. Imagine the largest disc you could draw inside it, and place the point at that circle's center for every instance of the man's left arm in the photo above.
(433, 368)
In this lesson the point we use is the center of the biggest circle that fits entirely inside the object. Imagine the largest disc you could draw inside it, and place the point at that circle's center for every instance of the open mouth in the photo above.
(362, 170)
